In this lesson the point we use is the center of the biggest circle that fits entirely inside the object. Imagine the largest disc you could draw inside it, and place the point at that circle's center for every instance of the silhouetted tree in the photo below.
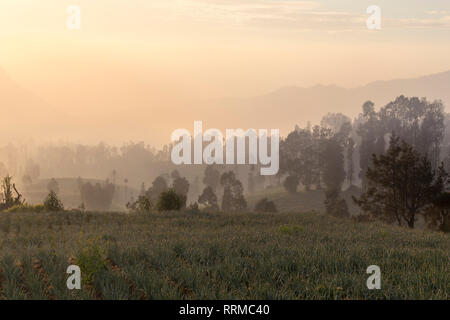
(401, 184)
(334, 204)
(334, 173)
(438, 216)
(52, 203)
(233, 197)
(181, 187)
(159, 185)
(170, 200)
(208, 199)
(212, 177)
(371, 132)
(291, 183)
(141, 205)
(350, 163)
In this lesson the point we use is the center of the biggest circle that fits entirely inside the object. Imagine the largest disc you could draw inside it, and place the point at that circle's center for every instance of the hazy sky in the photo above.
(130, 52)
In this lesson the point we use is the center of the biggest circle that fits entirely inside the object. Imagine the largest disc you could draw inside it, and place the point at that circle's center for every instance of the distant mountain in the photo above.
(288, 106)
(25, 115)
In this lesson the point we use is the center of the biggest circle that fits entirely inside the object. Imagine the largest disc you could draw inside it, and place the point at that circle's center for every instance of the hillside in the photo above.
(292, 105)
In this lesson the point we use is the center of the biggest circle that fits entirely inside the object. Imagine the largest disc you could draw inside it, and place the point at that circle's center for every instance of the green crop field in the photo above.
(217, 256)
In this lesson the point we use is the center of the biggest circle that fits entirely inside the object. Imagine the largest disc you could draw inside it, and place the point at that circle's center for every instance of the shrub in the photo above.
(170, 200)
(265, 205)
(90, 260)
(141, 205)
(52, 202)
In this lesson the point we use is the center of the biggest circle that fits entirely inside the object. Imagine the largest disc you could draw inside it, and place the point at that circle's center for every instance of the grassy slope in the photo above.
(225, 256)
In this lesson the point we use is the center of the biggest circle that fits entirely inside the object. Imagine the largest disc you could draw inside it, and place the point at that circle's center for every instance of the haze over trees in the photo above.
(336, 158)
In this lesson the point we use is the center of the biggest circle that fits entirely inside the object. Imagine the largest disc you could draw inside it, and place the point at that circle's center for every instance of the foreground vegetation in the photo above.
(195, 255)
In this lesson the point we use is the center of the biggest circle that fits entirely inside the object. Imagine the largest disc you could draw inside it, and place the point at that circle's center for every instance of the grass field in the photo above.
(217, 256)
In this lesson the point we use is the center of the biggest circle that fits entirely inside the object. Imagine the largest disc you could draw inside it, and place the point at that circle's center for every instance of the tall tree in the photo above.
(233, 199)
(350, 162)
(401, 184)
(209, 199)
(212, 177)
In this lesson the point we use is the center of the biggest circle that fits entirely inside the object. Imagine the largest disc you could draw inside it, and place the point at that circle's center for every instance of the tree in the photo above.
(401, 184)
(265, 205)
(291, 183)
(195, 188)
(335, 205)
(233, 196)
(417, 122)
(335, 122)
(301, 154)
(334, 172)
(371, 131)
(350, 163)
(438, 216)
(52, 203)
(159, 185)
(170, 200)
(209, 199)
(212, 177)
(141, 205)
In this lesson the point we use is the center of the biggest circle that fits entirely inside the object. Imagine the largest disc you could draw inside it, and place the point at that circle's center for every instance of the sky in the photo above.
(160, 53)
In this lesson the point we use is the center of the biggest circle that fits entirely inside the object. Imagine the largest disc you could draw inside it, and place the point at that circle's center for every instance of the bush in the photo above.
(141, 205)
(52, 203)
(170, 200)
(90, 259)
(265, 205)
